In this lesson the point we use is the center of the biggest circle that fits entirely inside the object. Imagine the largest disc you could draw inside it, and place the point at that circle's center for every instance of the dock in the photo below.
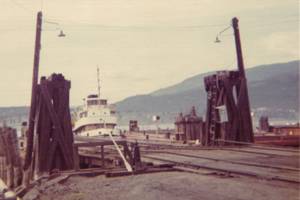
(261, 161)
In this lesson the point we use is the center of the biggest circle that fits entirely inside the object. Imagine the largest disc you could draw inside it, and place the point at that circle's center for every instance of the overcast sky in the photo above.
(139, 46)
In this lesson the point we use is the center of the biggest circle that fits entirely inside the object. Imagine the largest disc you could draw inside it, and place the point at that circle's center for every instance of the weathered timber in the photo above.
(264, 124)
(10, 159)
(190, 126)
(14, 152)
(30, 132)
(228, 117)
(54, 137)
(235, 123)
(102, 144)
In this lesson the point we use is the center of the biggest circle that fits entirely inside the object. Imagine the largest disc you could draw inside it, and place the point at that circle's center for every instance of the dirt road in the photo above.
(166, 185)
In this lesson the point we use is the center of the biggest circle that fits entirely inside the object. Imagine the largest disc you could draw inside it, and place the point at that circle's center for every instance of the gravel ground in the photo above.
(166, 185)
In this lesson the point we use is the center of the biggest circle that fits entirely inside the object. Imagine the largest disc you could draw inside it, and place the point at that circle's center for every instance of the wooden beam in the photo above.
(231, 105)
(44, 137)
(59, 133)
(102, 155)
(244, 110)
(76, 158)
(93, 144)
(30, 131)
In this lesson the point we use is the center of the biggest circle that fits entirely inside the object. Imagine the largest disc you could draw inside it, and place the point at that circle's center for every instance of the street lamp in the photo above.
(217, 40)
(32, 113)
(61, 34)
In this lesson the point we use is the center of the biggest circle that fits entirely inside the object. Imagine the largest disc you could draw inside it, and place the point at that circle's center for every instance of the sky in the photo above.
(139, 46)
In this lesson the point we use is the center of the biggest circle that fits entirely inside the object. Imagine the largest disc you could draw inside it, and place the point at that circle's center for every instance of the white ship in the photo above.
(95, 117)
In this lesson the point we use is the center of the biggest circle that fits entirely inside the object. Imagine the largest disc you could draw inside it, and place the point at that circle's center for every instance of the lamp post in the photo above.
(243, 103)
(32, 112)
(245, 106)
(238, 47)
(30, 131)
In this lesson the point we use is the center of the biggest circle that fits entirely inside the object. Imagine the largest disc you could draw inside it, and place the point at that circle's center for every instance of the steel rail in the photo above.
(186, 147)
(254, 145)
(263, 153)
(276, 149)
(208, 158)
(267, 176)
(236, 162)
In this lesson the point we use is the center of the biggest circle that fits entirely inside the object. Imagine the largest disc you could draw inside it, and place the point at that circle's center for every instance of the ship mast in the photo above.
(98, 87)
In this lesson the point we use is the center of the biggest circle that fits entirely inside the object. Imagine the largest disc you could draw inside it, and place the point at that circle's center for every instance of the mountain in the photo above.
(273, 91)
(258, 73)
(274, 86)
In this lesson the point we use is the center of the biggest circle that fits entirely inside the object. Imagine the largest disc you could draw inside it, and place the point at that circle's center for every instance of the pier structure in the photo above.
(54, 138)
(228, 114)
(189, 127)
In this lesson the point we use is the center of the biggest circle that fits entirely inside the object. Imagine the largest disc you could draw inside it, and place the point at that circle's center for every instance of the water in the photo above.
(145, 127)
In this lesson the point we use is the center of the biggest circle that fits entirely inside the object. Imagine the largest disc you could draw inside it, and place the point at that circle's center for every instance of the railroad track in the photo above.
(280, 163)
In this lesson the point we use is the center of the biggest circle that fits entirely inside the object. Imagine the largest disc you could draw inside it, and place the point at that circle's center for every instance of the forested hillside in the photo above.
(273, 91)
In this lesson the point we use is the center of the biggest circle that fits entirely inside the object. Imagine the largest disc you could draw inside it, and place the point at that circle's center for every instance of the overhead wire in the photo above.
(22, 6)
(230, 64)
(267, 24)
(179, 28)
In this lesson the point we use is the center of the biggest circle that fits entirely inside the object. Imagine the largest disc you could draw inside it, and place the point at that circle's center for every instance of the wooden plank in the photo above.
(8, 160)
(76, 158)
(55, 121)
(244, 108)
(66, 118)
(128, 153)
(197, 171)
(207, 123)
(61, 109)
(44, 137)
(32, 111)
(38, 128)
(92, 144)
(55, 84)
(102, 155)
(60, 95)
(231, 105)
(118, 174)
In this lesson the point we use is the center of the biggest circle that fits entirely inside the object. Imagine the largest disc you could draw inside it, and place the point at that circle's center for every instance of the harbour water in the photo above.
(165, 126)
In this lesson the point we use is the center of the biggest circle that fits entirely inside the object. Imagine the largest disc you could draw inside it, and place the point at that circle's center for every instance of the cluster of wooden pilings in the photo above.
(264, 124)
(228, 114)
(189, 127)
(10, 159)
(54, 138)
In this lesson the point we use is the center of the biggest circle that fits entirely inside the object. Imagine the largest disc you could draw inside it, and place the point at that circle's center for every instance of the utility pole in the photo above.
(30, 131)
(244, 106)
(238, 47)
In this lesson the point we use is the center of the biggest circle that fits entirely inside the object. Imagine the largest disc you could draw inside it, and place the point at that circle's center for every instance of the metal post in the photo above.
(30, 131)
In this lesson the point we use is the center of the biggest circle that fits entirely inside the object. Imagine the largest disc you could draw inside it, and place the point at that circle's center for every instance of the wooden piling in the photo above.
(10, 160)
(188, 127)
(237, 126)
